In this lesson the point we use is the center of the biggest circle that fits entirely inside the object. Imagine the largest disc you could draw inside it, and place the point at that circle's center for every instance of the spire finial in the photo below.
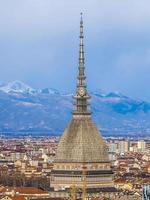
(81, 19)
(81, 93)
(81, 14)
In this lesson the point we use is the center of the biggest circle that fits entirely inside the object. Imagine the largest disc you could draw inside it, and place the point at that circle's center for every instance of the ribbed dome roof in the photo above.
(81, 142)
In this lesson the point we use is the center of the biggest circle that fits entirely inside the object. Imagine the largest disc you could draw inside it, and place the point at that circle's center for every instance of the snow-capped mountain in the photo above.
(16, 86)
(49, 91)
(20, 87)
(23, 108)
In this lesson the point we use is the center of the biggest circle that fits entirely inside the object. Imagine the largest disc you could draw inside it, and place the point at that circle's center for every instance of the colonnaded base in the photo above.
(94, 180)
(89, 175)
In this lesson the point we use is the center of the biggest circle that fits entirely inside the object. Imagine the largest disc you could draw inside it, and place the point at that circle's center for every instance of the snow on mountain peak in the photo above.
(100, 93)
(115, 94)
(49, 91)
(16, 86)
(104, 94)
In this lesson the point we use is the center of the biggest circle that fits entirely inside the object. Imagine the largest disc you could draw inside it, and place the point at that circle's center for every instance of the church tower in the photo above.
(81, 147)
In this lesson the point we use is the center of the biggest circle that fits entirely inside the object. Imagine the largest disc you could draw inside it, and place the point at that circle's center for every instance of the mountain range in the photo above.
(25, 110)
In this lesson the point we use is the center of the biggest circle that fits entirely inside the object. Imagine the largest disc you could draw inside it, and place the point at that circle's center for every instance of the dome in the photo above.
(81, 142)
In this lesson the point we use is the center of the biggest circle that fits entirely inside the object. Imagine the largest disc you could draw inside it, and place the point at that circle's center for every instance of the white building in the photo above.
(141, 145)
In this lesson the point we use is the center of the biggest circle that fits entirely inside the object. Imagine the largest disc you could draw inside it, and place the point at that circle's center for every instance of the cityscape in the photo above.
(83, 145)
(28, 162)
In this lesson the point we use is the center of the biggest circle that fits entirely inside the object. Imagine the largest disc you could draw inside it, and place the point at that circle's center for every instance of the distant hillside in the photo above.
(25, 109)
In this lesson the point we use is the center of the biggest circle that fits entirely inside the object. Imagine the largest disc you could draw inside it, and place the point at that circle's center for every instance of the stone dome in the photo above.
(81, 142)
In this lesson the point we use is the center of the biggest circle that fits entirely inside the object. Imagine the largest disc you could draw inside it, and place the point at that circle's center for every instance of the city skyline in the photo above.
(90, 144)
(38, 44)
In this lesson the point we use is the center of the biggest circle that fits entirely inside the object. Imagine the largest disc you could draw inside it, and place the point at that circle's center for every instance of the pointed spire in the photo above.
(81, 52)
(81, 92)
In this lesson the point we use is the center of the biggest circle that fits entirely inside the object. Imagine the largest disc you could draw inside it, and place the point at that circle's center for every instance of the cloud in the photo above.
(27, 15)
(39, 43)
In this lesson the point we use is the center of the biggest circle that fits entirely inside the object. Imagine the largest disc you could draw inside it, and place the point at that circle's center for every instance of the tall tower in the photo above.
(81, 91)
(81, 145)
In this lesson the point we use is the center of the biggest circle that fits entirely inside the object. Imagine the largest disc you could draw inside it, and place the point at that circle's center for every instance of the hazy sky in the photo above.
(39, 44)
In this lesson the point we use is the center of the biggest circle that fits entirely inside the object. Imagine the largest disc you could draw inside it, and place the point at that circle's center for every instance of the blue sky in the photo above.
(39, 44)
